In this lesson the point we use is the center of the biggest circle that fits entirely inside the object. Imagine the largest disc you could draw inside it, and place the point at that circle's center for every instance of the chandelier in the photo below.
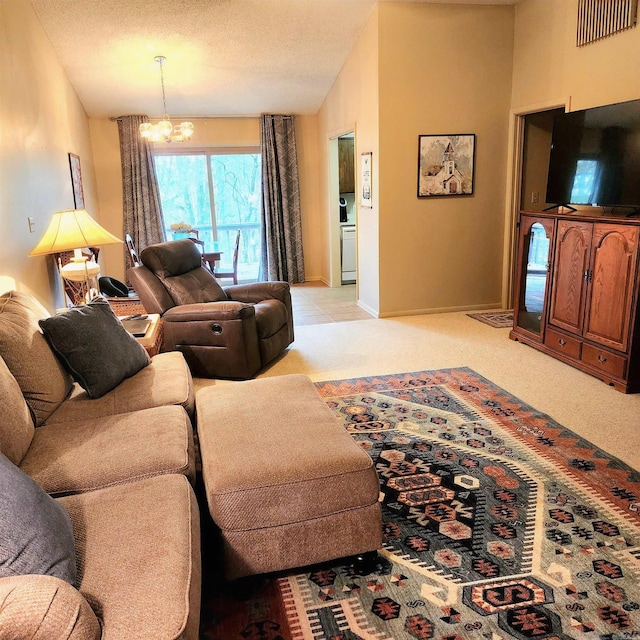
(164, 130)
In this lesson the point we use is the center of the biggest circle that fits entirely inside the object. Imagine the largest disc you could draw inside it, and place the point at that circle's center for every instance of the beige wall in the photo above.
(443, 69)
(42, 121)
(352, 104)
(106, 158)
(307, 146)
(549, 67)
(210, 132)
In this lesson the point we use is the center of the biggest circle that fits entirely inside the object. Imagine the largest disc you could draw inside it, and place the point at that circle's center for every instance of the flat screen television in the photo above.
(595, 157)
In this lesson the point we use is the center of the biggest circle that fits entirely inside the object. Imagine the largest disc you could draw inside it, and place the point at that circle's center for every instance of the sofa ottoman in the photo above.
(285, 483)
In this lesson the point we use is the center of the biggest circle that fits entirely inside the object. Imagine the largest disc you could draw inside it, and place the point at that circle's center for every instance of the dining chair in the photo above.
(133, 254)
(233, 273)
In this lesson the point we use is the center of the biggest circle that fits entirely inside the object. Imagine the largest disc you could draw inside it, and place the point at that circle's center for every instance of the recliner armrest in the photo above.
(259, 291)
(204, 311)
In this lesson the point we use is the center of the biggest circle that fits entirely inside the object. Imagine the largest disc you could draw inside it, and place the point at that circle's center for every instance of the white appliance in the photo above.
(348, 253)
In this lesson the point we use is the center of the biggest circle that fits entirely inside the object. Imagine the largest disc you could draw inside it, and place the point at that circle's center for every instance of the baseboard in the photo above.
(316, 279)
(367, 308)
(422, 312)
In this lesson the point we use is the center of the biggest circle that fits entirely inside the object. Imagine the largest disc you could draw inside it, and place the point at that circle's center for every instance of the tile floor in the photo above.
(315, 303)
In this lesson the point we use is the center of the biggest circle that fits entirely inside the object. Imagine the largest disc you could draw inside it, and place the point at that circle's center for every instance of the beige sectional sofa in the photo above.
(122, 466)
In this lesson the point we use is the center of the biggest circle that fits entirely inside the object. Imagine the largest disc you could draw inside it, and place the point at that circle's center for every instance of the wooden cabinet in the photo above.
(346, 169)
(590, 317)
(573, 243)
(534, 256)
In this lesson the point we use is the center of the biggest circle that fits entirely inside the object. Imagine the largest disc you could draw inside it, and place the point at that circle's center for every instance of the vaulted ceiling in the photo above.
(223, 57)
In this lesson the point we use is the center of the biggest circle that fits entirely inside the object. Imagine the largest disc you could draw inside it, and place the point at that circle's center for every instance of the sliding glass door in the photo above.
(216, 192)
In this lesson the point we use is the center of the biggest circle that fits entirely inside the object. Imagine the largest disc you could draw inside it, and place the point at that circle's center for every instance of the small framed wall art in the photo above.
(76, 181)
(446, 165)
(365, 180)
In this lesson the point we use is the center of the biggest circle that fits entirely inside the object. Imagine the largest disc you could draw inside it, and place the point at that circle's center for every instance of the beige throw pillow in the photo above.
(40, 376)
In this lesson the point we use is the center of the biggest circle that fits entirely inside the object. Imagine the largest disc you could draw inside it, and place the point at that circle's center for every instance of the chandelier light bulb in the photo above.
(146, 129)
(186, 129)
(164, 130)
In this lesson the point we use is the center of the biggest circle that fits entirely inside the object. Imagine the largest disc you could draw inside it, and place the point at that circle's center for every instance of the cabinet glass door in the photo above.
(534, 247)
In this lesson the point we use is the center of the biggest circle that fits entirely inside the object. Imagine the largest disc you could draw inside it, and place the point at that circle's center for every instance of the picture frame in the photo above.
(446, 165)
(366, 167)
(76, 181)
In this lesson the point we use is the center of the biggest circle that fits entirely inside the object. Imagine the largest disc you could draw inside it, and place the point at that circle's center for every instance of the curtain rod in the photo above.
(286, 117)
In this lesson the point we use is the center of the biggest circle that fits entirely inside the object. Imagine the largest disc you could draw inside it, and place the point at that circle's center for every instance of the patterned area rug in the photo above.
(497, 319)
(498, 523)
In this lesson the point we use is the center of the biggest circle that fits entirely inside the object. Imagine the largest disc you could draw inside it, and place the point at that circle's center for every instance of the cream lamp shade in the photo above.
(71, 230)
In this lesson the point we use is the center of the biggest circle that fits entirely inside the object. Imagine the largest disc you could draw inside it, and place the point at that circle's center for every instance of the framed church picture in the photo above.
(446, 165)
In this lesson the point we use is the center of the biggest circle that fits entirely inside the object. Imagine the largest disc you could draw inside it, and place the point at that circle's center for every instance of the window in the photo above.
(216, 192)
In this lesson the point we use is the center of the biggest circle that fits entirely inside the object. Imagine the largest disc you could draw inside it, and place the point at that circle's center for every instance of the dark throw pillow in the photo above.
(94, 347)
(36, 535)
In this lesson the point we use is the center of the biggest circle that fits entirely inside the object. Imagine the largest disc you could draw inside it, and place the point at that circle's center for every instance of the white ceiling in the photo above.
(224, 57)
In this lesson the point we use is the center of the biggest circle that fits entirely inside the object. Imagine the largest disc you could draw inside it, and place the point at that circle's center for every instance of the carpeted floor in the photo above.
(497, 319)
(498, 523)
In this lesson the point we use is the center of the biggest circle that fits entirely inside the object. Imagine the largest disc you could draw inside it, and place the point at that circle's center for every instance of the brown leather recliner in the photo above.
(229, 332)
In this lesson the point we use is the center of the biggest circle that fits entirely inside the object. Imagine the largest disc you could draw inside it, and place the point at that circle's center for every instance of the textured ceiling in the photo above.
(224, 57)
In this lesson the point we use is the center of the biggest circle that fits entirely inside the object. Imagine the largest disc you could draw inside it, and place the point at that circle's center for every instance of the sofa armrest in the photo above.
(259, 291)
(42, 607)
(204, 311)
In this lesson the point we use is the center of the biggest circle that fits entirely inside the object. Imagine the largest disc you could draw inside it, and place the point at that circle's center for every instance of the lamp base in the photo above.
(80, 279)
(78, 270)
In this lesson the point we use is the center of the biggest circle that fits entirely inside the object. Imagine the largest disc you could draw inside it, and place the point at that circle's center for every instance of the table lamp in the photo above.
(71, 230)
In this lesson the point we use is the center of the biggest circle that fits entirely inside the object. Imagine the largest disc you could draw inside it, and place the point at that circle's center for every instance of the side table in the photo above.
(152, 339)
(125, 306)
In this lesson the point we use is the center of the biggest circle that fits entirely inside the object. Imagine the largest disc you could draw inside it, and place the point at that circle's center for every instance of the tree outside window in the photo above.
(217, 194)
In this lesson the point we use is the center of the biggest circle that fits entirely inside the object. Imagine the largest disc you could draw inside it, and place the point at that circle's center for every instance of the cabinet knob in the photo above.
(601, 358)
(562, 342)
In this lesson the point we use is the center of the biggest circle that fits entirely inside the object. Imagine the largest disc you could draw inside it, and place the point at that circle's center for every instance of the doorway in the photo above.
(342, 210)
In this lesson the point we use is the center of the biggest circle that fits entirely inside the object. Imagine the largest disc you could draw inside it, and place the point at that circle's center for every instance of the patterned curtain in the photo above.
(281, 231)
(142, 214)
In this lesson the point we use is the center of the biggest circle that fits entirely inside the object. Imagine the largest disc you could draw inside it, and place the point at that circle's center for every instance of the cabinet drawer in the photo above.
(604, 360)
(562, 343)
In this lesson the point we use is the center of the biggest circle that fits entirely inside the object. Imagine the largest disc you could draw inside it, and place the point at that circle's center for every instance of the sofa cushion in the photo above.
(94, 346)
(138, 549)
(166, 381)
(16, 425)
(41, 607)
(40, 375)
(72, 457)
(35, 531)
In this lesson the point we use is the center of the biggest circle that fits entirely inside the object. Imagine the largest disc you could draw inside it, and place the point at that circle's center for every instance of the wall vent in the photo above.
(601, 18)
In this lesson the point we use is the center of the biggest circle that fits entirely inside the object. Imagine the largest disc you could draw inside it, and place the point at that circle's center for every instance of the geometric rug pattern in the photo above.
(498, 523)
(497, 319)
